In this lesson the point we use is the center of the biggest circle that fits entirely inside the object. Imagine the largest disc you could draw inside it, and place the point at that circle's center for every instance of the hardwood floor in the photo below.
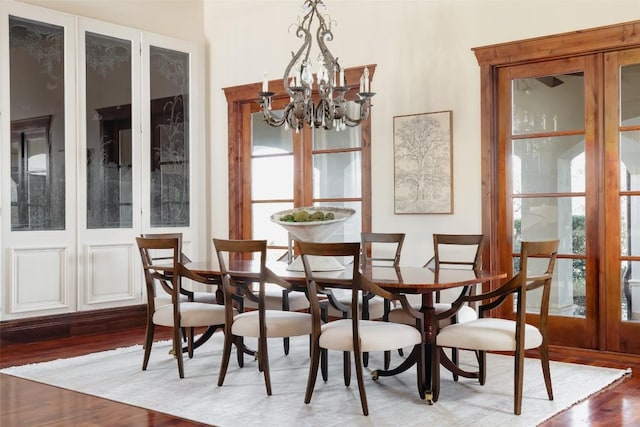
(27, 403)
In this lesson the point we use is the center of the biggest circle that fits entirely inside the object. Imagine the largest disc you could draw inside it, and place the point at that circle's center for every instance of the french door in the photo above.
(565, 163)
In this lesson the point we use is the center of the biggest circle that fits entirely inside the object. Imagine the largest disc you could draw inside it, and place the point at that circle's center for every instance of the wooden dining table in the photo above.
(400, 280)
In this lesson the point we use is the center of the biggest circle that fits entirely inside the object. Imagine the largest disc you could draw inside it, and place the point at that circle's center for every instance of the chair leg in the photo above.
(177, 348)
(481, 356)
(240, 355)
(363, 394)
(518, 376)
(387, 360)
(285, 343)
(190, 342)
(346, 368)
(148, 341)
(313, 370)
(324, 364)
(546, 371)
(263, 363)
(226, 355)
(454, 359)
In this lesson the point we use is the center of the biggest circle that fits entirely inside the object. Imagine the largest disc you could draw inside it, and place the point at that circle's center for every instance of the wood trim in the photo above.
(593, 357)
(600, 39)
(72, 324)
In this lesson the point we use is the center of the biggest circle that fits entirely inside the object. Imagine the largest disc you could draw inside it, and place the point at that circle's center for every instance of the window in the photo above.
(288, 169)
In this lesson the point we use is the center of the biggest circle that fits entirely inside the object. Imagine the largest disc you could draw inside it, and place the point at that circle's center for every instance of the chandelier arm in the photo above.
(300, 32)
(324, 33)
(365, 105)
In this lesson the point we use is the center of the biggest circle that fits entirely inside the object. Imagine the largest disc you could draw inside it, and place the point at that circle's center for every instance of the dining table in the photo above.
(421, 281)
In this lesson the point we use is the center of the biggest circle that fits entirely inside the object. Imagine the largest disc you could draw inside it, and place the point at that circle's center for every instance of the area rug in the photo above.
(242, 400)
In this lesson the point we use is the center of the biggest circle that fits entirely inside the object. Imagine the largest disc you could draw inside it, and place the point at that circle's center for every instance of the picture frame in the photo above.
(423, 163)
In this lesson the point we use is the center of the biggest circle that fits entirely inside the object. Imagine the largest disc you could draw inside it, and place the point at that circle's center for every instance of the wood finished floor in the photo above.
(28, 403)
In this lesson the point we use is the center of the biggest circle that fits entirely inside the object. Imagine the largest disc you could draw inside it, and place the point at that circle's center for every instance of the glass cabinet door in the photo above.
(37, 155)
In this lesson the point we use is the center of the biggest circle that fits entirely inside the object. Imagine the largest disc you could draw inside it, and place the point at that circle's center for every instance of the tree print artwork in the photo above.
(422, 163)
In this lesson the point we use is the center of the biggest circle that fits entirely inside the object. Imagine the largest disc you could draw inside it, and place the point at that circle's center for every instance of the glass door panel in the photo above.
(108, 131)
(37, 125)
(169, 107)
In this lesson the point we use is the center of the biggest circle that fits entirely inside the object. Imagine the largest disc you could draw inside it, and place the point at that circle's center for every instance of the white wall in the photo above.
(182, 19)
(424, 63)
(422, 49)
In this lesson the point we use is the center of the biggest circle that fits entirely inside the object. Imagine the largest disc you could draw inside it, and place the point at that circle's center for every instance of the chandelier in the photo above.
(331, 111)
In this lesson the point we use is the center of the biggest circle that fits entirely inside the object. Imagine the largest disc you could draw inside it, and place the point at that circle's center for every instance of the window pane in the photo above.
(109, 151)
(332, 139)
(629, 156)
(37, 125)
(264, 228)
(272, 165)
(548, 165)
(337, 175)
(548, 104)
(270, 139)
(629, 98)
(545, 218)
(169, 82)
(568, 288)
(630, 283)
(630, 225)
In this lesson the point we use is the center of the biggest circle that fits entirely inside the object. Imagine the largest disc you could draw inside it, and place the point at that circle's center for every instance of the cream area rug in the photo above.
(242, 400)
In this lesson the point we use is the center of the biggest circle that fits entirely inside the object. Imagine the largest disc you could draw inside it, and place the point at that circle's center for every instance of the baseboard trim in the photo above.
(601, 358)
(72, 324)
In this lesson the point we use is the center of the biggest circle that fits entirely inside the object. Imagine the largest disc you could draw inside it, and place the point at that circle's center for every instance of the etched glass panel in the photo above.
(36, 63)
(109, 155)
(169, 90)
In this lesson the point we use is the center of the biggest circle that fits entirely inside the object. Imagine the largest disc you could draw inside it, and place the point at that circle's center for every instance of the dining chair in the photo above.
(449, 251)
(178, 314)
(263, 323)
(352, 334)
(507, 335)
(380, 249)
(278, 298)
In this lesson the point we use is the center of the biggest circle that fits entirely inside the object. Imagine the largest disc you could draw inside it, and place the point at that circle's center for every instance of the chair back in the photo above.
(160, 262)
(239, 266)
(537, 263)
(456, 251)
(164, 256)
(321, 282)
(391, 243)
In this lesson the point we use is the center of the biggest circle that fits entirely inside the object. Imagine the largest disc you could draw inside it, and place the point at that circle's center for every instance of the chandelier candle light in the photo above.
(331, 111)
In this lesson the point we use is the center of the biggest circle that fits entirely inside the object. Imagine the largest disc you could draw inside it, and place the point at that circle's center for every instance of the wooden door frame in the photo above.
(491, 59)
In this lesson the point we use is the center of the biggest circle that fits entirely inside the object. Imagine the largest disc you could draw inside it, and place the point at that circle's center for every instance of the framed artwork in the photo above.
(423, 163)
